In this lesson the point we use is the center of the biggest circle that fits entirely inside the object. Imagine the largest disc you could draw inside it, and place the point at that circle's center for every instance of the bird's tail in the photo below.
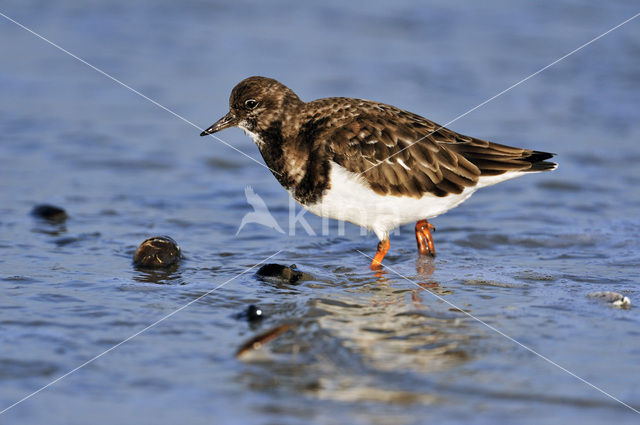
(494, 159)
(538, 163)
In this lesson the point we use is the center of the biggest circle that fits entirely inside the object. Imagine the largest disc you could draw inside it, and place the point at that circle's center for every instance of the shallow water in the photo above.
(388, 348)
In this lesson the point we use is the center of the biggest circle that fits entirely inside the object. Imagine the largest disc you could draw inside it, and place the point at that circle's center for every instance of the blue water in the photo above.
(363, 347)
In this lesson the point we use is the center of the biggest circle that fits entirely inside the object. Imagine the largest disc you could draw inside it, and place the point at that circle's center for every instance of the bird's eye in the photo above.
(251, 103)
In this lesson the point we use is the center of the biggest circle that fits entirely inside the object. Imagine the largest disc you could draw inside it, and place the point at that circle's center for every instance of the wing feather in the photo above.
(403, 154)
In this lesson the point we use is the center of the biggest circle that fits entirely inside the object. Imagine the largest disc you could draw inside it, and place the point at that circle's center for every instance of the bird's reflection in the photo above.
(377, 326)
(380, 274)
(425, 267)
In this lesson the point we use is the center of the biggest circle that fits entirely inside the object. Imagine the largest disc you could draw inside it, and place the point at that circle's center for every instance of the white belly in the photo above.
(351, 199)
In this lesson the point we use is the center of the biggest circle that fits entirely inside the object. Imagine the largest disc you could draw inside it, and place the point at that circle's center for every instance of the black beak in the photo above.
(224, 122)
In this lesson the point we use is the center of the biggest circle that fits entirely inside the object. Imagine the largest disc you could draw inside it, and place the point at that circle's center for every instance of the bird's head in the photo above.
(255, 104)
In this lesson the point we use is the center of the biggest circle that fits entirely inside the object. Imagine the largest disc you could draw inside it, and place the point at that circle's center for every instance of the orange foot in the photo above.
(424, 238)
(383, 247)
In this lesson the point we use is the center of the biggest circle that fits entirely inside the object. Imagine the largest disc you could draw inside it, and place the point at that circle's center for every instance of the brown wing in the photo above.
(380, 144)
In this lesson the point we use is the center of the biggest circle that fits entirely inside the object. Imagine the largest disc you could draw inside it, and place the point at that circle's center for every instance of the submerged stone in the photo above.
(49, 213)
(279, 272)
(157, 252)
(252, 313)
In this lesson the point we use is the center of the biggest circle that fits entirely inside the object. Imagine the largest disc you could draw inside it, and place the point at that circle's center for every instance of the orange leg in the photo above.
(424, 238)
(383, 247)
